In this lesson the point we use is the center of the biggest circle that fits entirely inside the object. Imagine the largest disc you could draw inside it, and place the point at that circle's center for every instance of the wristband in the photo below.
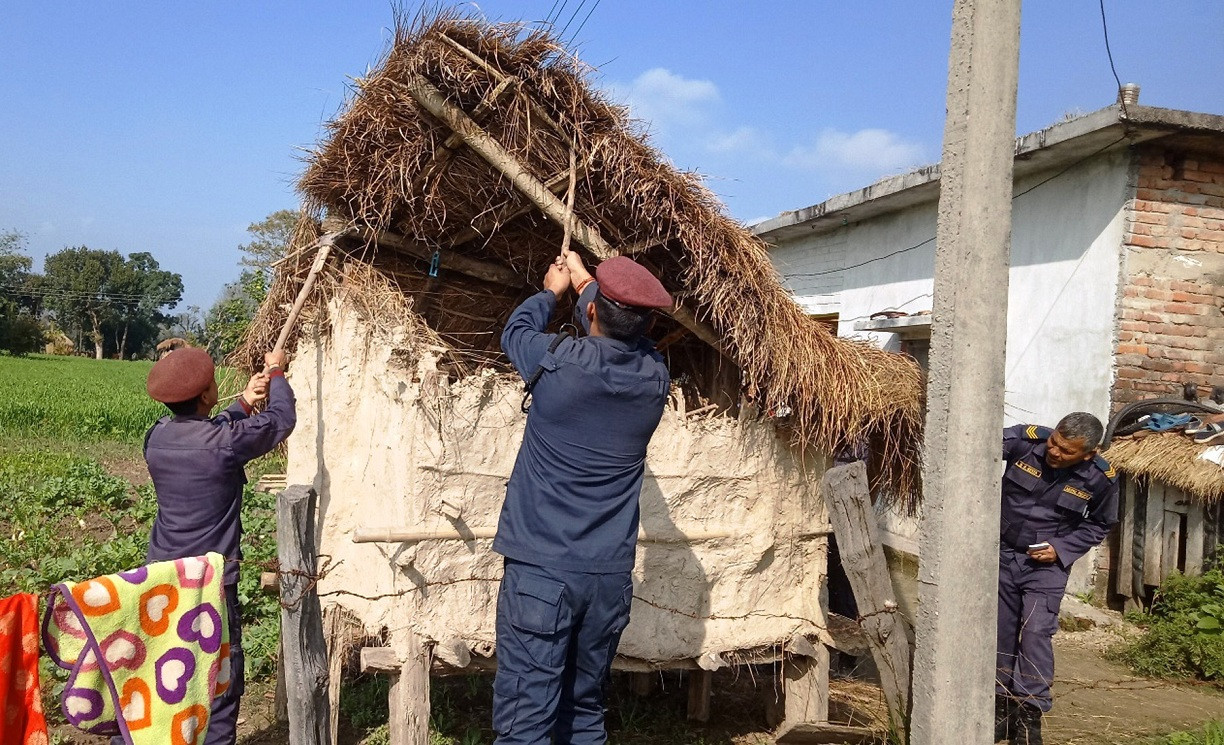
(583, 284)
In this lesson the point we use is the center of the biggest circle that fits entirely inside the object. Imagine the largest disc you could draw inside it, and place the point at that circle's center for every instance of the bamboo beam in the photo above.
(443, 154)
(475, 268)
(416, 535)
(432, 100)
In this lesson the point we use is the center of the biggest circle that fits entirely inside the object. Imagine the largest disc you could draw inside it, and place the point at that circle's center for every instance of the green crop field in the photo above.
(78, 501)
(75, 398)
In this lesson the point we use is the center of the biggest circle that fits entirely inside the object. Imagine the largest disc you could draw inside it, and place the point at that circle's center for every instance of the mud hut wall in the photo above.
(386, 440)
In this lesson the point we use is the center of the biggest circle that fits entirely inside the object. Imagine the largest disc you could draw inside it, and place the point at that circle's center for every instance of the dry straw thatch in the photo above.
(1170, 457)
(412, 192)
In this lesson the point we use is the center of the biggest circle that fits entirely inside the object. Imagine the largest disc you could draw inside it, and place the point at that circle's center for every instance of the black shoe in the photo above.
(1028, 726)
(1004, 718)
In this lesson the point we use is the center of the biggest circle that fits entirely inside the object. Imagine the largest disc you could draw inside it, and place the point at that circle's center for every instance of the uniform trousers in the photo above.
(557, 633)
(223, 719)
(1030, 594)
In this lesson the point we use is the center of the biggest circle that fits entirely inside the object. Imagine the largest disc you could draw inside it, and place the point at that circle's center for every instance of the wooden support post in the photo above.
(844, 489)
(433, 101)
(806, 688)
(305, 650)
(1154, 527)
(333, 623)
(699, 689)
(1124, 584)
(1195, 539)
(643, 684)
(280, 701)
(408, 698)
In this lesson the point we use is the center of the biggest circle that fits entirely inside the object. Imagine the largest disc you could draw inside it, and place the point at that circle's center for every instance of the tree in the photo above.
(149, 289)
(80, 283)
(103, 294)
(20, 332)
(270, 241)
(230, 317)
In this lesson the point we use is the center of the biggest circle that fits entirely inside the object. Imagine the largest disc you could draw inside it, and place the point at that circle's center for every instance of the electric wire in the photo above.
(584, 21)
(1109, 53)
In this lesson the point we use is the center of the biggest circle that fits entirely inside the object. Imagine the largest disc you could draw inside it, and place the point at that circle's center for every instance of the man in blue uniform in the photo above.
(196, 462)
(1060, 498)
(568, 528)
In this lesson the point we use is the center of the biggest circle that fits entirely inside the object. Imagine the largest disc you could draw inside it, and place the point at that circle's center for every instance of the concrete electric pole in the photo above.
(954, 660)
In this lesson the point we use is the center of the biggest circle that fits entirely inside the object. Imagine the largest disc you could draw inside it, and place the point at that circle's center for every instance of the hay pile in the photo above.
(1170, 457)
(413, 194)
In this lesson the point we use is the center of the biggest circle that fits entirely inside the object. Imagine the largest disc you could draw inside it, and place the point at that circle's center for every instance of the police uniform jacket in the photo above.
(572, 499)
(1071, 508)
(197, 464)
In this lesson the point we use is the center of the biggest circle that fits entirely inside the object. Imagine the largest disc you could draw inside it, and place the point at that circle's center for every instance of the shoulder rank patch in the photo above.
(1080, 493)
(1110, 472)
(1028, 468)
(1035, 432)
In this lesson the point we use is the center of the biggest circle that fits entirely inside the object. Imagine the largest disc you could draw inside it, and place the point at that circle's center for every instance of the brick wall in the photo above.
(1170, 328)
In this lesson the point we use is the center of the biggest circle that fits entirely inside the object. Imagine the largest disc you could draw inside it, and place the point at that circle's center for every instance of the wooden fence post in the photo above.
(409, 696)
(305, 650)
(854, 523)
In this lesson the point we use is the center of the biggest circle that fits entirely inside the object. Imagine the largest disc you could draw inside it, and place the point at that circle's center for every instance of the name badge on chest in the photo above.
(1031, 470)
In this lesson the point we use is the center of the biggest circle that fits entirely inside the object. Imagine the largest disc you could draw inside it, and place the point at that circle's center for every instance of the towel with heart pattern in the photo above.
(21, 714)
(161, 634)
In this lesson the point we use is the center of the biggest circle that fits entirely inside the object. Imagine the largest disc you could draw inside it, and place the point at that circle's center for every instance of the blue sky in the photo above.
(169, 127)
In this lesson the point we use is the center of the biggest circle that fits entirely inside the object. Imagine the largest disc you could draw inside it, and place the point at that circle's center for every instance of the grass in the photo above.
(1183, 633)
(1212, 733)
(76, 399)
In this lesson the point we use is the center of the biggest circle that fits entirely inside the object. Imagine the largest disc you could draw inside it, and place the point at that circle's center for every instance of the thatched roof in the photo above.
(1170, 457)
(413, 192)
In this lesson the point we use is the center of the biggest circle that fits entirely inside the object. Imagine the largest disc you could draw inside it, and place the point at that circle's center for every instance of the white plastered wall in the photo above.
(1066, 242)
(384, 444)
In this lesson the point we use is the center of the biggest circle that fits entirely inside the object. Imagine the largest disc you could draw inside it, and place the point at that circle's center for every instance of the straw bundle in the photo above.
(415, 194)
(1172, 458)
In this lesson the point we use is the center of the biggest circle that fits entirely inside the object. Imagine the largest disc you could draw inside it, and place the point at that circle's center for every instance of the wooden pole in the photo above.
(845, 491)
(326, 243)
(305, 648)
(432, 100)
(408, 699)
(700, 686)
(805, 686)
(416, 535)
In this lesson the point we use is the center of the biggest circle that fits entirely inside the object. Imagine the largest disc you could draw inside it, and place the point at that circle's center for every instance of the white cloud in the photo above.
(876, 151)
(745, 140)
(669, 101)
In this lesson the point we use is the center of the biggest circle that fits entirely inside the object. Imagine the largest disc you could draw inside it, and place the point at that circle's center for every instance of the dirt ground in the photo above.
(1097, 701)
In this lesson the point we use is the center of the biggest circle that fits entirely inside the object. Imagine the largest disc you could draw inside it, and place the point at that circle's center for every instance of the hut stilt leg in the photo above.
(408, 698)
(642, 684)
(806, 689)
(699, 688)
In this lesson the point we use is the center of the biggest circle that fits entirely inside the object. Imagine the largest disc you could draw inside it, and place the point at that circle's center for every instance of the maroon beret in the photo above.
(180, 376)
(629, 283)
